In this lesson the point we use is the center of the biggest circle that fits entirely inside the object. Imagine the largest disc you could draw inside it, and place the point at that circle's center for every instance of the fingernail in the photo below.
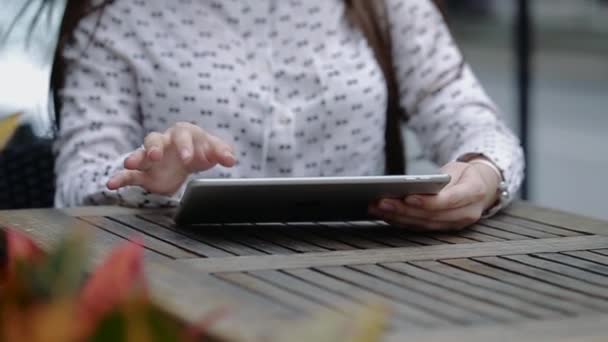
(386, 206)
(151, 151)
(412, 200)
(229, 154)
(185, 154)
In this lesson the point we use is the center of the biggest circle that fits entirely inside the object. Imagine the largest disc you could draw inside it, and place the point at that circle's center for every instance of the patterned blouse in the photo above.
(290, 84)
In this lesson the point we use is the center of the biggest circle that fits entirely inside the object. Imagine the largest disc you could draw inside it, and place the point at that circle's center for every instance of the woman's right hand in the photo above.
(167, 159)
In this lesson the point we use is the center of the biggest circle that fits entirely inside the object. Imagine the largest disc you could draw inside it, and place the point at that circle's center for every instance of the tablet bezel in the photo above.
(346, 195)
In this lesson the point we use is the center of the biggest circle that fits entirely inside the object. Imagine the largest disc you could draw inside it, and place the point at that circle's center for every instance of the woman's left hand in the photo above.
(472, 189)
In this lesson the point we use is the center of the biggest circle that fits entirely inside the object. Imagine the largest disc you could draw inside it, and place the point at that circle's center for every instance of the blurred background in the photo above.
(568, 104)
(566, 115)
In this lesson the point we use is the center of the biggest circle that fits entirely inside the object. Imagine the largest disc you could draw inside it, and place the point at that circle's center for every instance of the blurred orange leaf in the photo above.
(113, 282)
(8, 126)
(139, 319)
(50, 322)
(20, 248)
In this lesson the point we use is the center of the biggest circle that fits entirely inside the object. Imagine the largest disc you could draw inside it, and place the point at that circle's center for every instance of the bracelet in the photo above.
(489, 164)
(503, 190)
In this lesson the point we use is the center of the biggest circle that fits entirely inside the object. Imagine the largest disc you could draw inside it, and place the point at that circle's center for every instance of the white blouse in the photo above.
(290, 84)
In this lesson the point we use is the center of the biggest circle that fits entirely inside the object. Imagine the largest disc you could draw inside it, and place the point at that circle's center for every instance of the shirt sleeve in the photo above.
(100, 120)
(449, 111)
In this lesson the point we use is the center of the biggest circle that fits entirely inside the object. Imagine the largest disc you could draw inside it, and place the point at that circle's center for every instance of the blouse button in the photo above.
(284, 117)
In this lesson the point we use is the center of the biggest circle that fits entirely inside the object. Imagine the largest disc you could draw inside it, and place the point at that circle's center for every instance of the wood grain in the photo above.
(534, 303)
(405, 313)
(519, 265)
(397, 254)
(150, 241)
(404, 294)
(584, 328)
(557, 218)
(48, 227)
(437, 294)
(482, 299)
(577, 302)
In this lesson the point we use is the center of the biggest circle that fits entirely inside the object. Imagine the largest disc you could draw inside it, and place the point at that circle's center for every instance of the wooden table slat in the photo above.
(557, 218)
(601, 251)
(369, 256)
(562, 270)
(437, 292)
(499, 233)
(382, 234)
(181, 239)
(350, 236)
(536, 303)
(559, 231)
(404, 312)
(150, 241)
(556, 279)
(275, 233)
(591, 256)
(417, 238)
(49, 227)
(279, 294)
(452, 238)
(317, 293)
(310, 236)
(557, 292)
(560, 330)
(211, 238)
(523, 231)
(594, 267)
(407, 294)
(479, 236)
(242, 235)
(494, 301)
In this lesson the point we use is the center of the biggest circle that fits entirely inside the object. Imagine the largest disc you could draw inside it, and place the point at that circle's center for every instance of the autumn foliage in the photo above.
(47, 297)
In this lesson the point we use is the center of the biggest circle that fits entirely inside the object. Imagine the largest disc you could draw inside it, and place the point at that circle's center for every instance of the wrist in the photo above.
(492, 178)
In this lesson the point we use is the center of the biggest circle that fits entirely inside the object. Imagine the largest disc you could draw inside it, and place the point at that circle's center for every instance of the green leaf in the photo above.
(113, 327)
(163, 327)
(138, 319)
(62, 272)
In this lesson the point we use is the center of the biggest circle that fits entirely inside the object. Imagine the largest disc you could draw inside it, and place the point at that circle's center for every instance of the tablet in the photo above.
(208, 201)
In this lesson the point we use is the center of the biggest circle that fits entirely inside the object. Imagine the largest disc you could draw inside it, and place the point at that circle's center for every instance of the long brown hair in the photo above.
(369, 16)
(75, 11)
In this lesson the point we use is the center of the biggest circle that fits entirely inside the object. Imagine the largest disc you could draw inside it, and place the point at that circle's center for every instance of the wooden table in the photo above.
(527, 274)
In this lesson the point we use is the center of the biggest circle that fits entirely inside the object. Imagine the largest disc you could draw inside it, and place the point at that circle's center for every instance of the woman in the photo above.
(158, 92)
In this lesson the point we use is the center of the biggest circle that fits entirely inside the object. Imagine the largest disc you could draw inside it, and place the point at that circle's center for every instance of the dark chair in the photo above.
(27, 178)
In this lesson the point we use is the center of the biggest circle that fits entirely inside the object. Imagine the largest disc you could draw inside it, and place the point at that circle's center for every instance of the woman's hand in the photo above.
(167, 159)
(461, 203)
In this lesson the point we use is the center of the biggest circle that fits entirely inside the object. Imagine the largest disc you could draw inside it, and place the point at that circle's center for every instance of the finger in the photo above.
(456, 170)
(437, 202)
(182, 139)
(416, 224)
(469, 189)
(465, 193)
(135, 160)
(126, 178)
(219, 151)
(466, 214)
(413, 224)
(155, 144)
